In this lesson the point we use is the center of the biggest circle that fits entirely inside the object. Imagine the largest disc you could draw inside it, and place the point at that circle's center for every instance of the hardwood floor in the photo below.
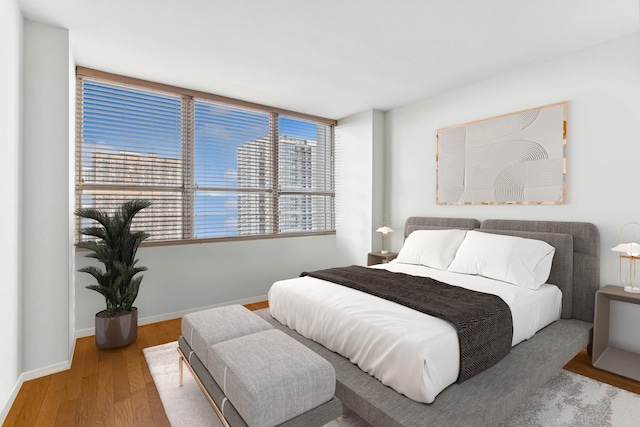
(115, 388)
(581, 364)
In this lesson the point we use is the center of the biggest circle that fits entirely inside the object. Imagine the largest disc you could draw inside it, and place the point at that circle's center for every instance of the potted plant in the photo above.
(115, 245)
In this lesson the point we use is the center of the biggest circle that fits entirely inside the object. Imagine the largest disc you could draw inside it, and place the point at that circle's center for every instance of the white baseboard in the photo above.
(176, 314)
(30, 375)
(12, 398)
(47, 370)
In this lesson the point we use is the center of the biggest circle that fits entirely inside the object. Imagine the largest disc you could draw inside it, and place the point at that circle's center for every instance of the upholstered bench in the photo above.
(205, 328)
(255, 375)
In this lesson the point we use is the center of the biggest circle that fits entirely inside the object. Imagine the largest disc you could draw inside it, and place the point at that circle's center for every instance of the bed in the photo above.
(414, 353)
(488, 397)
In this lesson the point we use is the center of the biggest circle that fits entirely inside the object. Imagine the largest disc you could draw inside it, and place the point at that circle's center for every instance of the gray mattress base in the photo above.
(484, 400)
(315, 417)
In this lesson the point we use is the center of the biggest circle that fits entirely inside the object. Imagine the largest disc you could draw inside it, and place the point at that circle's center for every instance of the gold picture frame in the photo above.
(515, 158)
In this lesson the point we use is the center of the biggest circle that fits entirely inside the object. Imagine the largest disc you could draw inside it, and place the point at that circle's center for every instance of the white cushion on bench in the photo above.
(269, 377)
(204, 328)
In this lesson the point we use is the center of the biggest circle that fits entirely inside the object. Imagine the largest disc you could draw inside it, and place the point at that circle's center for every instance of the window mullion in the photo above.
(188, 175)
(79, 152)
(275, 180)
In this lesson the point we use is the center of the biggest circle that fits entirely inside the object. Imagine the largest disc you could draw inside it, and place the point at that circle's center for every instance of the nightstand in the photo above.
(618, 361)
(380, 258)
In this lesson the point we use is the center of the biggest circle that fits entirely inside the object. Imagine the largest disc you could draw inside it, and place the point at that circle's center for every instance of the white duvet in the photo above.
(414, 353)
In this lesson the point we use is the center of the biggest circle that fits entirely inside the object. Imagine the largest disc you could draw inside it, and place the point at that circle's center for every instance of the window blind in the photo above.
(305, 175)
(211, 170)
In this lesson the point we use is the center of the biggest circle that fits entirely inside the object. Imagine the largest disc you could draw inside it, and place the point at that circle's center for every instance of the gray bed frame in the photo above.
(491, 396)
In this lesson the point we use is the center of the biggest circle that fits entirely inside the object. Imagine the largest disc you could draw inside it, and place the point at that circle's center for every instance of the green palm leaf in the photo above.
(115, 245)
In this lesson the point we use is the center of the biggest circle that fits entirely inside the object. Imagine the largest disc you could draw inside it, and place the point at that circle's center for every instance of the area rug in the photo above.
(567, 400)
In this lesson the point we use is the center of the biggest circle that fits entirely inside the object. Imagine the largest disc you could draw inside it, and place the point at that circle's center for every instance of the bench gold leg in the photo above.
(213, 404)
(181, 362)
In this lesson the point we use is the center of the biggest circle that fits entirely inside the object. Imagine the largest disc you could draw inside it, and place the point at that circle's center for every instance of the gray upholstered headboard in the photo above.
(576, 263)
(586, 257)
(433, 223)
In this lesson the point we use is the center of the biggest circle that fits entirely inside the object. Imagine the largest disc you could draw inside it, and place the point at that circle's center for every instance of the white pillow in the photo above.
(543, 269)
(433, 248)
(523, 262)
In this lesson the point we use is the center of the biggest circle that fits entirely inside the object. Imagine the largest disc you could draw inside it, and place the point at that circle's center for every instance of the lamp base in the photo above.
(632, 289)
(384, 252)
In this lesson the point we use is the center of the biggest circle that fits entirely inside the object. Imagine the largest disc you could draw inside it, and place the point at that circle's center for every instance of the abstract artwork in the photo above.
(517, 158)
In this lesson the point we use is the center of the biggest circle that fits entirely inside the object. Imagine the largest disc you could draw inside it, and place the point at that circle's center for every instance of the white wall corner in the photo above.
(11, 34)
(71, 204)
(45, 197)
(378, 203)
(354, 188)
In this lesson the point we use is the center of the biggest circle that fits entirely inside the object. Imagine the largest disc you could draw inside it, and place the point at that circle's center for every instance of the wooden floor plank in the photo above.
(26, 407)
(115, 387)
(156, 407)
(121, 389)
(141, 408)
(169, 331)
(74, 377)
(56, 394)
(134, 368)
(581, 364)
(257, 305)
(104, 411)
(123, 412)
(87, 401)
(91, 357)
(143, 336)
(66, 413)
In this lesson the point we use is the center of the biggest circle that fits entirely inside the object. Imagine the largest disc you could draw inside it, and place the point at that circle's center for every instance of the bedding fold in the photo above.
(483, 322)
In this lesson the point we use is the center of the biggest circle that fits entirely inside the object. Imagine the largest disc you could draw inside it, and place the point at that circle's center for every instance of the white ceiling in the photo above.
(331, 58)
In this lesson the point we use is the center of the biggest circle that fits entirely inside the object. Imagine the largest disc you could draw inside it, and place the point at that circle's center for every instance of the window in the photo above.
(212, 168)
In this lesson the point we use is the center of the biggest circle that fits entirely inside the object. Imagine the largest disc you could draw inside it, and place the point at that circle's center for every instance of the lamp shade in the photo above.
(385, 230)
(632, 249)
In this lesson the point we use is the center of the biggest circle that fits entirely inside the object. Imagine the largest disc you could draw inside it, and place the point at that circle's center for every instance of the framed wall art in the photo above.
(517, 158)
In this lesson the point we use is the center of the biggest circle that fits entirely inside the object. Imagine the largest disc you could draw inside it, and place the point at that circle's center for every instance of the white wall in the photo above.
(378, 218)
(46, 247)
(71, 232)
(602, 86)
(359, 186)
(10, 83)
(184, 278)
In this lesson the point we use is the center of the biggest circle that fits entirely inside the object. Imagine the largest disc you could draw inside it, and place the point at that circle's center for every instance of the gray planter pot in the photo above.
(117, 331)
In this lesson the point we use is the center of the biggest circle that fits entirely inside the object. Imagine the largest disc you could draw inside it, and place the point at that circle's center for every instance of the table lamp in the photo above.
(628, 251)
(385, 230)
